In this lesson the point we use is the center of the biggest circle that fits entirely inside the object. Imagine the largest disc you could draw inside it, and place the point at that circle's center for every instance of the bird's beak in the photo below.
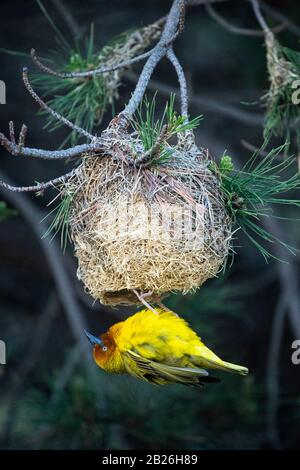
(93, 339)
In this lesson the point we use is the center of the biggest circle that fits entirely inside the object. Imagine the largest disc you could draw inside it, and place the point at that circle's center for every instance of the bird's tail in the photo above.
(210, 360)
(225, 366)
(235, 368)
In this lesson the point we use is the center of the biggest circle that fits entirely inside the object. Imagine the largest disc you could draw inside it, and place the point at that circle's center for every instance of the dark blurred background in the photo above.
(52, 396)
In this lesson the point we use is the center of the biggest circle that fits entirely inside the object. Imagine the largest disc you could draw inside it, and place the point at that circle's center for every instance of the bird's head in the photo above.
(104, 350)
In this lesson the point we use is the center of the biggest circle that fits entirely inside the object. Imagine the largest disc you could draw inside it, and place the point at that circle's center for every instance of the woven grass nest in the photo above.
(153, 229)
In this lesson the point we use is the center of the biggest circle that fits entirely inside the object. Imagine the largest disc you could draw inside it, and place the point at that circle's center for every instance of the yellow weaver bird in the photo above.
(161, 349)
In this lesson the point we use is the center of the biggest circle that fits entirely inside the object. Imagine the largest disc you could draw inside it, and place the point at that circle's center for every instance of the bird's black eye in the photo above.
(104, 348)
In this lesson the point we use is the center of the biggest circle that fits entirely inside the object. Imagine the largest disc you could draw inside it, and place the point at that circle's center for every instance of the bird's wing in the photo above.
(160, 374)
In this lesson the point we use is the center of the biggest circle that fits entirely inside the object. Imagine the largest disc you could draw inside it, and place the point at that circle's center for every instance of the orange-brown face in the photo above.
(104, 354)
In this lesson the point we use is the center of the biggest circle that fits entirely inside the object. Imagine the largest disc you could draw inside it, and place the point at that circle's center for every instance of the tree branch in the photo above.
(40, 186)
(201, 101)
(259, 17)
(156, 26)
(276, 15)
(238, 30)
(159, 51)
(53, 113)
(71, 152)
(182, 82)
(89, 73)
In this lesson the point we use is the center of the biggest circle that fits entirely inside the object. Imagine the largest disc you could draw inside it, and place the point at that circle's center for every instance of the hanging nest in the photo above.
(283, 66)
(280, 69)
(155, 228)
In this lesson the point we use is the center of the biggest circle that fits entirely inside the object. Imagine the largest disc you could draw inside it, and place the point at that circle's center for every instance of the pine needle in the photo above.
(60, 222)
(251, 192)
(149, 129)
(61, 37)
(82, 101)
(281, 113)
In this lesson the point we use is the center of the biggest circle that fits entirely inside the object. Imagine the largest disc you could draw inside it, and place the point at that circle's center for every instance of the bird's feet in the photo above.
(141, 296)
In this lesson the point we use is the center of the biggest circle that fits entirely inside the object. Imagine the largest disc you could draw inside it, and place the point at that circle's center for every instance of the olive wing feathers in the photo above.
(160, 374)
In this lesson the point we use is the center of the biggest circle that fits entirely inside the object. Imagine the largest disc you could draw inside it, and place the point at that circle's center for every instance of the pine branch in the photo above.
(250, 192)
(40, 186)
(53, 113)
(89, 73)
(182, 82)
(160, 51)
(261, 20)
(71, 152)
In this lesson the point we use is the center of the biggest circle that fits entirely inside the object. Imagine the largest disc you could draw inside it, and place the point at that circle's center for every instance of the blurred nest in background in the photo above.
(283, 66)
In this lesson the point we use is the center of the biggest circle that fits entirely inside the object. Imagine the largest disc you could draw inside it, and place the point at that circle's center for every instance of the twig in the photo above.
(39, 186)
(193, 3)
(259, 17)
(53, 113)
(148, 156)
(76, 151)
(159, 51)
(277, 15)
(182, 17)
(100, 70)
(141, 298)
(164, 307)
(169, 33)
(253, 148)
(213, 105)
(12, 132)
(89, 73)
(182, 82)
(292, 27)
(238, 30)
(22, 136)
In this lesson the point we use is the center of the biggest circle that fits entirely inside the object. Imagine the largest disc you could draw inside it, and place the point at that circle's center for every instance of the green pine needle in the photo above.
(281, 112)
(60, 222)
(82, 101)
(251, 192)
(149, 129)
(59, 34)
